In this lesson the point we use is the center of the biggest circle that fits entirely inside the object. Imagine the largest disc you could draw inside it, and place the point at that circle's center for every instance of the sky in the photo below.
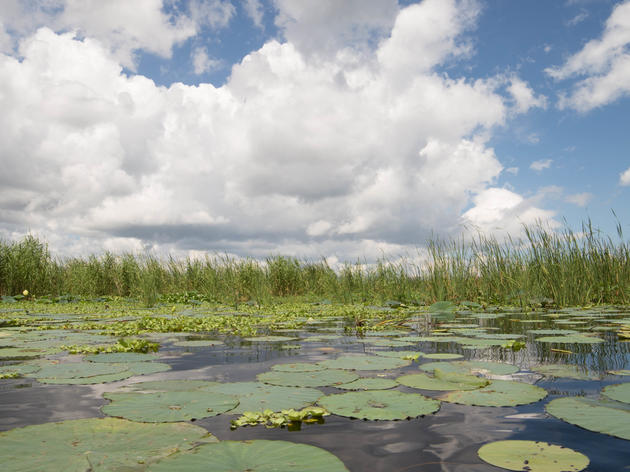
(349, 129)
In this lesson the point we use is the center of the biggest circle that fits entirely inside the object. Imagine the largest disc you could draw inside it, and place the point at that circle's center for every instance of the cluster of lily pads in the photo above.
(394, 379)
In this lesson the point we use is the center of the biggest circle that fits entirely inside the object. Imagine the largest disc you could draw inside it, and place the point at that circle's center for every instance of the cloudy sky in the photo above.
(347, 129)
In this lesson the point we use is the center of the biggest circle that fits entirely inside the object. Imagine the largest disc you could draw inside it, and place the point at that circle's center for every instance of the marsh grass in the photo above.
(559, 267)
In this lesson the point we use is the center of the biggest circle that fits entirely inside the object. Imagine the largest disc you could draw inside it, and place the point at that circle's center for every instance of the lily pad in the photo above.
(482, 367)
(442, 381)
(254, 396)
(258, 455)
(619, 392)
(389, 342)
(121, 357)
(270, 339)
(498, 393)
(533, 456)
(198, 343)
(322, 378)
(161, 407)
(95, 444)
(297, 367)
(570, 339)
(369, 383)
(362, 362)
(379, 405)
(407, 355)
(563, 370)
(443, 356)
(20, 369)
(76, 370)
(169, 385)
(602, 417)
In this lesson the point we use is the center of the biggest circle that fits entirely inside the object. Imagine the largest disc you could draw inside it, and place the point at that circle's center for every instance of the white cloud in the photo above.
(512, 170)
(524, 96)
(578, 18)
(579, 199)
(213, 13)
(202, 63)
(624, 177)
(254, 9)
(299, 152)
(541, 164)
(603, 63)
(502, 212)
(327, 26)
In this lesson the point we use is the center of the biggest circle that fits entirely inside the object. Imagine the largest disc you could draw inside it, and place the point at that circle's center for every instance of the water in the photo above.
(445, 441)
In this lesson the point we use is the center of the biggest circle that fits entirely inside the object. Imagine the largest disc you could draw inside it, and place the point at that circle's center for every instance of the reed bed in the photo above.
(560, 267)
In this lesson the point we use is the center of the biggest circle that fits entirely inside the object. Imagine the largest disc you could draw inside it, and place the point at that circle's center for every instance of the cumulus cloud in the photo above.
(254, 10)
(202, 62)
(579, 199)
(541, 164)
(348, 154)
(603, 65)
(524, 97)
(624, 177)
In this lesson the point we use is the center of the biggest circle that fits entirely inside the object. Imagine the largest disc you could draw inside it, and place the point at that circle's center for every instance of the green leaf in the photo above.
(443, 356)
(442, 381)
(258, 455)
(533, 456)
(198, 343)
(256, 395)
(369, 384)
(563, 370)
(619, 392)
(363, 362)
(322, 378)
(161, 407)
(95, 444)
(379, 405)
(297, 367)
(592, 415)
(122, 357)
(498, 393)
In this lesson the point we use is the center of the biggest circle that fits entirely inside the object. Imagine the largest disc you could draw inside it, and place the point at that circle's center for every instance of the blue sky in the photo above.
(315, 128)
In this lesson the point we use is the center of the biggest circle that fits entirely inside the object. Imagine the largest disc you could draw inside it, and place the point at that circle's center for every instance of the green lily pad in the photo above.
(389, 342)
(20, 369)
(563, 370)
(379, 405)
(77, 370)
(601, 417)
(570, 339)
(442, 381)
(254, 396)
(270, 339)
(161, 407)
(442, 307)
(169, 385)
(482, 367)
(369, 383)
(297, 367)
(407, 355)
(121, 357)
(443, 356)
(363, 362)
(322, 378)
(198, 343)
(620, 372)
(552, 332)
(95, 444)
(619, 392)
(10, 353)
(146, 368)
(258, 455)
(532, 456)
(498, 393)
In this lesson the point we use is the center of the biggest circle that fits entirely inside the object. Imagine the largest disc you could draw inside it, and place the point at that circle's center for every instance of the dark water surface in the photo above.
(445, 441)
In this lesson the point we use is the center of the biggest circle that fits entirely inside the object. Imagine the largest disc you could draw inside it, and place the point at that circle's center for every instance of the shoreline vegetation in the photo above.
(546, 267)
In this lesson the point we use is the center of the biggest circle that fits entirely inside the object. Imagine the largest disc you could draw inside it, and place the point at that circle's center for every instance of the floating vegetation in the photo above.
(602, 417)
(363, 362)
(532, 456)
(271, 419)
(369, 383)
(322, 378)
(620, 392)
(297, 367)
(198, 343)
(443, 381)
(442, 356)
(254, 395)
(406, 355)
(379, 405)
(122, 357)
(563, 370)
(228, 456)
(498, 393)
(95, 444)
(161, 407)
